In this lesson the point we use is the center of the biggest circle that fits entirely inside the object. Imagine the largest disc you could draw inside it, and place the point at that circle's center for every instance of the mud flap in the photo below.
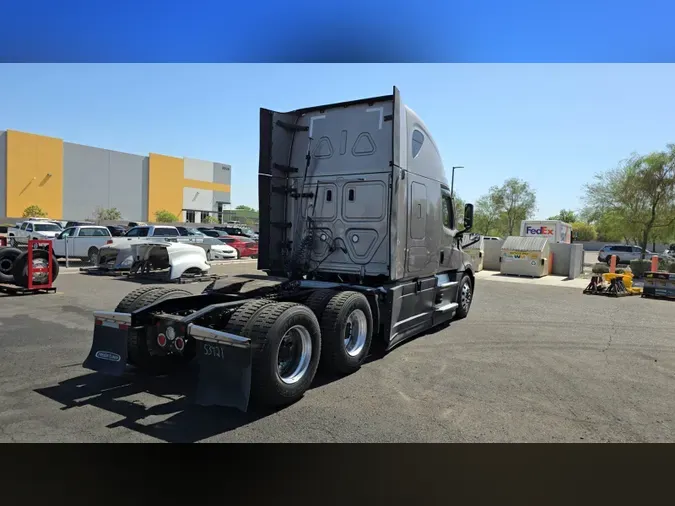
(224, 368)
(108, 352)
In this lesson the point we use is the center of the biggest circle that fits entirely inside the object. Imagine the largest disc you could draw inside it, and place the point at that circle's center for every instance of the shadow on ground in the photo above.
(186, 422)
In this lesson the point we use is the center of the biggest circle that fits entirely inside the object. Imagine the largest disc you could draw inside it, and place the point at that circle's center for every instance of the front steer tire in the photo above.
(464, 297)
(347, 313)
(267, 332)
(138, 342)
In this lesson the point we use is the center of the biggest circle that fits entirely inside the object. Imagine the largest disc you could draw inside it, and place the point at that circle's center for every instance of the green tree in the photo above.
(164, 216)
(584, 231)
(566, 215)
(640, 194)
(34, 212)
(516, 201)
(112, 214)
(459, 211)
(244, 208)
(486, 214)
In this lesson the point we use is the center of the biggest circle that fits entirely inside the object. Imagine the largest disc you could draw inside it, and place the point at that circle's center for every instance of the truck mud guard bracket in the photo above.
(108, 353)
(224, 368)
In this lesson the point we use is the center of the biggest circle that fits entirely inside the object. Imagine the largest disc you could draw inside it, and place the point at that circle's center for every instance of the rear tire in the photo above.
(347, 332)
(139, 345)
(245, 314)
(92, 255)
(20, 267)
(125, 304)
(7, 258)
(318, 301)
(287, 348)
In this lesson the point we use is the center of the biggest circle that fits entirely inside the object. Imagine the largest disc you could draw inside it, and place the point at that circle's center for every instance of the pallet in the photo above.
(20, 290)
(97, 271)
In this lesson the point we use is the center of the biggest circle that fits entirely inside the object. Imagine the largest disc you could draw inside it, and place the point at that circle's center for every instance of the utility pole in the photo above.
(452, 183)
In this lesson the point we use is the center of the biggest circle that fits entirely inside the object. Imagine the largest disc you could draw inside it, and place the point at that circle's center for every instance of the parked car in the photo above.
(245, 246)
(624, 253)
(190, 232)
(237, 230)
(152, 231)
(212, 232)
(32, 229)
(116, 230)
(82, 242)
(70, 224)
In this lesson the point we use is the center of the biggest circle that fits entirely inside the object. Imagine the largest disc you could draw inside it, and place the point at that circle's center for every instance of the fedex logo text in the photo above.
(539, 231)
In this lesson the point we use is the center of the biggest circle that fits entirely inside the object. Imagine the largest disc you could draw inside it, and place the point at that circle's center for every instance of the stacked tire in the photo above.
(14, 266)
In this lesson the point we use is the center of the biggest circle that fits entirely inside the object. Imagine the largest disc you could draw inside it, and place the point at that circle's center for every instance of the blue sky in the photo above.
(553, 125)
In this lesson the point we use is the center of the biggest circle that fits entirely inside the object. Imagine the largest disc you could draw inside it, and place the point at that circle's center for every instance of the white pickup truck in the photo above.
(32, 229)
(81, 242)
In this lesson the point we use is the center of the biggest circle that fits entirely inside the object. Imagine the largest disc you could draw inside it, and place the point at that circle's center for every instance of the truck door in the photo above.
(417, 254)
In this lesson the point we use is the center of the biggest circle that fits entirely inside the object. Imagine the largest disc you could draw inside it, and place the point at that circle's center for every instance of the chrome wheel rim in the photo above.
(465, 298)
(355, 333)
(39, 278)
(294, 355)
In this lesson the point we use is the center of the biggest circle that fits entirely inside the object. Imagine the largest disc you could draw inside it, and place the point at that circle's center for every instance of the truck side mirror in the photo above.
(468, 217)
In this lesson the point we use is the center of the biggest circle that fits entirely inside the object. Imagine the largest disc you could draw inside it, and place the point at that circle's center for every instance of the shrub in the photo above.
(600, 269)
(164, 216)
(671, 267)
(639, 267)
(210, 219)
(111, 214)
(620, 271)
(34, 212)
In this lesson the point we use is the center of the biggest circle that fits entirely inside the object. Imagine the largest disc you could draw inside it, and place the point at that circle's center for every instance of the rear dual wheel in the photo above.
(286, 340)
(346, 329)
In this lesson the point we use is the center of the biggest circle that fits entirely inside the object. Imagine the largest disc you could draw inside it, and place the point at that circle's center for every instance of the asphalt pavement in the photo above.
(532, 363)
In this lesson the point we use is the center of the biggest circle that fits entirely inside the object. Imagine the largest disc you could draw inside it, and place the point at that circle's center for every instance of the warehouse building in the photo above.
(71, 181)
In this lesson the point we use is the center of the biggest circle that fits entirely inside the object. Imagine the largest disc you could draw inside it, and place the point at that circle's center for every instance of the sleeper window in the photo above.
(417, 141)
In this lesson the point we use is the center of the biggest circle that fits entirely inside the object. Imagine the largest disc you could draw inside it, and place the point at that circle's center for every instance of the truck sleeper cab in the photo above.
(359, 242)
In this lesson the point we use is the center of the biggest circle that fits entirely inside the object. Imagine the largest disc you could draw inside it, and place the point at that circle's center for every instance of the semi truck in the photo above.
(359, 249)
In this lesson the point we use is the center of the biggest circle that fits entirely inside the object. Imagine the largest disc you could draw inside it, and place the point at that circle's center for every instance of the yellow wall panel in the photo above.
(206, 185)
(165, 185)
(34, 173)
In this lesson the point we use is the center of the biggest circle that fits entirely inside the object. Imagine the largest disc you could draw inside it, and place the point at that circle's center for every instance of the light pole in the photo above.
(452, 182)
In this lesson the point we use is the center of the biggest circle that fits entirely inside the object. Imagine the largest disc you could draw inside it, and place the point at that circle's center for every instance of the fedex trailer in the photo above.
(553, 230)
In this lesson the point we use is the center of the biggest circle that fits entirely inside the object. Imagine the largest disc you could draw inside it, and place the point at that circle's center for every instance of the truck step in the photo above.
(449, 306)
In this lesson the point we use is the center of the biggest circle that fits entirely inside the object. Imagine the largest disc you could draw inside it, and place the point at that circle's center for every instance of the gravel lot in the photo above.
(531, 363)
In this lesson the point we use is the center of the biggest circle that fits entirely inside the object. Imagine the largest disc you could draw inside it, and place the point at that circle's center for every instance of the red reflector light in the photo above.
(180, 344)
(161, 340)
(98, 322)
(109, 241)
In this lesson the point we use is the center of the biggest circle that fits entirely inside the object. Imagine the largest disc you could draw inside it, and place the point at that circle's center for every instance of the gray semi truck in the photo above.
(359, 246)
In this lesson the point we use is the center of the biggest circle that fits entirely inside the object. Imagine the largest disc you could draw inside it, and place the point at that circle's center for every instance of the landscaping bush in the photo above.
(639, 267)
(34, 212)
(600, 269)
(620, 271)
(164, 216)
(671, 267)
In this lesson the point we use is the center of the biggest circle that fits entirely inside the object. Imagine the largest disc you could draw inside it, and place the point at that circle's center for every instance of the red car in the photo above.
(245, 246)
